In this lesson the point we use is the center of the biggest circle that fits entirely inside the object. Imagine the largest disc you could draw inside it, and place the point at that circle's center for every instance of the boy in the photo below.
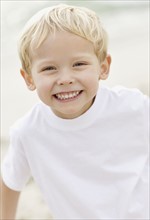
(85, 146)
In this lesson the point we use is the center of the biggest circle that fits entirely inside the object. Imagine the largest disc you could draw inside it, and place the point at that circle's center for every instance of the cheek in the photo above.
(44, 88)
(91, 77)
(43, 83)
(92, 82)
(93, 72)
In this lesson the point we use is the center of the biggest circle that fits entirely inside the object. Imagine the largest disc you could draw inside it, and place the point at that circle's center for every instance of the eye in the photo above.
(49, 68)
(79, 64)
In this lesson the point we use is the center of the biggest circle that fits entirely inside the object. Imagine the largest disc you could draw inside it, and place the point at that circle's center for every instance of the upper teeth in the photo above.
(67, 95)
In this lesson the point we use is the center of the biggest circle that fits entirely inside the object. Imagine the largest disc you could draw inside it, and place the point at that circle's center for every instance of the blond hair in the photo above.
(77, 20)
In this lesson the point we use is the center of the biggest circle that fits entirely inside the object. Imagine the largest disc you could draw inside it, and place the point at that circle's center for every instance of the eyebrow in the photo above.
(80, 56)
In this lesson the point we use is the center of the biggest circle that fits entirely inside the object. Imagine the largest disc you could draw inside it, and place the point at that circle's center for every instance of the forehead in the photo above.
(63, 43)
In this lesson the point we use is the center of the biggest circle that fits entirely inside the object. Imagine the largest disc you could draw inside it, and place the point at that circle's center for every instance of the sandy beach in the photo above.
(130, 67)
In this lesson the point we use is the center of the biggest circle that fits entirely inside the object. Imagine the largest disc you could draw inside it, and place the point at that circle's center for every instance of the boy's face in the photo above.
(65, 72)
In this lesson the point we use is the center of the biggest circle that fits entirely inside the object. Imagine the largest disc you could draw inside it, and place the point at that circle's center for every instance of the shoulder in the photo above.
(126, 95)
(29, 120)
(122, 99)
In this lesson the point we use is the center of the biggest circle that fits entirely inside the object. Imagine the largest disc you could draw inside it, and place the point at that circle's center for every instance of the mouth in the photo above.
(68, 96)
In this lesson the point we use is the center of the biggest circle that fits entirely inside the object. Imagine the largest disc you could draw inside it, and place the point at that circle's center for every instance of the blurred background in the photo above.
(127, 24)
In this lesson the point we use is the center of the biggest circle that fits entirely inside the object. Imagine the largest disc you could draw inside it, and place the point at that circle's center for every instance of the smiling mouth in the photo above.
(68, 96)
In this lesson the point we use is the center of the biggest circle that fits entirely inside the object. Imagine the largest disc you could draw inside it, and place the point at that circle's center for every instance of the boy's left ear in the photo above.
(105, 66)
(28, 80)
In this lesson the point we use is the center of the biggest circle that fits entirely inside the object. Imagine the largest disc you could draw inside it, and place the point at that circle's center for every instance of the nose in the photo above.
(65, 78)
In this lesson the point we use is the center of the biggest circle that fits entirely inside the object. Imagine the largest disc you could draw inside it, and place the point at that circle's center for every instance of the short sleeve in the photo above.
(15, 169)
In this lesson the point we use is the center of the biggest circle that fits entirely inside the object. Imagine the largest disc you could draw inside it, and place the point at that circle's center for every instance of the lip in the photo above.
(66, 96)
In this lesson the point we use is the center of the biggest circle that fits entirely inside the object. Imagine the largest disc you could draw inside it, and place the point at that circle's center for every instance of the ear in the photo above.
(105, 66)
(28, 80)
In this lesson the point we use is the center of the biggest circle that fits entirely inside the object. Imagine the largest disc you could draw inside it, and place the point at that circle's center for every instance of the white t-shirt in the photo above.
(91, 167)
